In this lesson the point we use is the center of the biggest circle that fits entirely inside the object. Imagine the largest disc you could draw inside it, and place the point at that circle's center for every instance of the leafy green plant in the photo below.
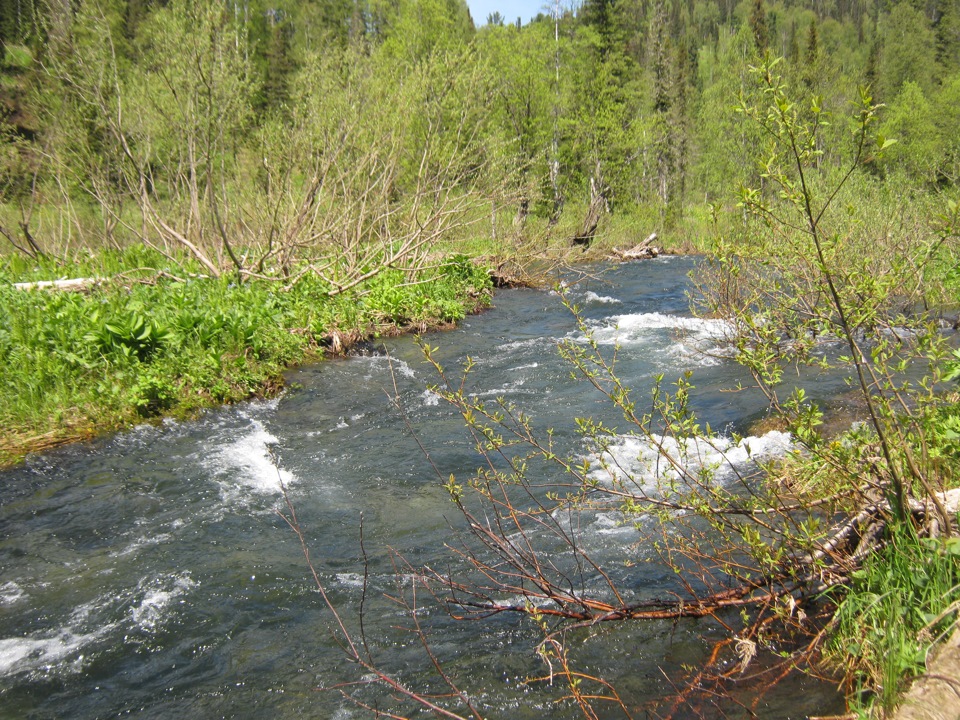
(897, 606)
(128, 335)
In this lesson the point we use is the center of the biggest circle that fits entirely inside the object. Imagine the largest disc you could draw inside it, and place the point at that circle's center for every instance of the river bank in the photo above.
(141, 338)
(148, 343)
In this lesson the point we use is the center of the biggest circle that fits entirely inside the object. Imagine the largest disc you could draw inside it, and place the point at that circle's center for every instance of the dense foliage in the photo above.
(236, 127)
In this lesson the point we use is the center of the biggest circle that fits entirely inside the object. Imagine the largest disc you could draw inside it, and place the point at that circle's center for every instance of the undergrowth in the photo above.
(898, 606)
(153, 341)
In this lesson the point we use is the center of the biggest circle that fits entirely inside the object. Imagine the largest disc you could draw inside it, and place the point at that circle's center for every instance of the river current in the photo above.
(148, 574)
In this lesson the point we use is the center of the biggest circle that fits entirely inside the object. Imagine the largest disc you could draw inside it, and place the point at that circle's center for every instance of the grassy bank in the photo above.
(155, 336)
(153, 340)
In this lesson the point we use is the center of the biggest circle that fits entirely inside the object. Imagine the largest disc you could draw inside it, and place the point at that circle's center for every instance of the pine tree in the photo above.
(947, 25)
(758, 23)
(811, 56)
(279, 69)
(660, 62)
(599, 14)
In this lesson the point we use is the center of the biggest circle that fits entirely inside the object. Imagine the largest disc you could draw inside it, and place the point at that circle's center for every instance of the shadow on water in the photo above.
(149, 574)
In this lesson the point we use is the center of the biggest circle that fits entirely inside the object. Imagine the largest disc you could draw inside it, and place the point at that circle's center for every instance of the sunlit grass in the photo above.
(74, 363)
(900, 604)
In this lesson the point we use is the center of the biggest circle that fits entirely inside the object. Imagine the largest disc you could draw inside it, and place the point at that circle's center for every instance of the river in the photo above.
(148, 574)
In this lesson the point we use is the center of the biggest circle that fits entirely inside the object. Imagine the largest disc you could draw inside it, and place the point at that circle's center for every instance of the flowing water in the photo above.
(148, 574)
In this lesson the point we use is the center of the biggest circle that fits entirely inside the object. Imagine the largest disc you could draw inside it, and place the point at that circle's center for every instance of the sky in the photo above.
(510, 9)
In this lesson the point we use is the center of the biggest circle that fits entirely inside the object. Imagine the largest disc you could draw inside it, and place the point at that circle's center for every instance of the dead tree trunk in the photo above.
(588, 229)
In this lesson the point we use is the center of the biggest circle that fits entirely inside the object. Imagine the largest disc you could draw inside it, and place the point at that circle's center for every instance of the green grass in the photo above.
(18, 56)
(74, 363)
(898, 605)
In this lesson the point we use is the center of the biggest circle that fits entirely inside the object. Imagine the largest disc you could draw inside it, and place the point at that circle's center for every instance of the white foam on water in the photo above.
(24, 654)
(430, 398)
(349, 579)
(643, 467)
(510, 388)
(592, 297)
(158, 594)
(384, 363)
(704, 354)
(10, 593)
(636, 328)
(51, 650)
(247, 465)
(676, 338)
(156, 538)
(531, 366)
(511, 347)
(60, 650)
(612, 524)
(645, 464)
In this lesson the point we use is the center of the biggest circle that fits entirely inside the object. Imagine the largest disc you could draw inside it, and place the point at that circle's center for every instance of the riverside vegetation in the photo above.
(145, 342)
(251, 183)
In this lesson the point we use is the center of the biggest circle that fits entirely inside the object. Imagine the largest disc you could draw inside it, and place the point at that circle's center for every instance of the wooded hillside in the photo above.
(250, 134)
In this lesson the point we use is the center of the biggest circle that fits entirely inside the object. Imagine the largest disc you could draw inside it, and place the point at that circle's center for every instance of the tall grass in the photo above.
(901, 602)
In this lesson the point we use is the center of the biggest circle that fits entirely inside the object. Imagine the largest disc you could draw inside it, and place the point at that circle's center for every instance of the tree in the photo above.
(416, 28)
(279, 68)
(721, 138)
(520, 61)
(601, 16)
(946, 111)
(947, 25)
(919, 148)
(602, 99)
(909, 51)
(663, 82)
(811, 55)
(758, 23)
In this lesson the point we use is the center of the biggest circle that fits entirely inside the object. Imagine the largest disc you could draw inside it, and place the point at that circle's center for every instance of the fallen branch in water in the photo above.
(642, 251)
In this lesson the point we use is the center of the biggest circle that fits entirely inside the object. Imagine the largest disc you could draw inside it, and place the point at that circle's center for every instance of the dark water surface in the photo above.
(148, 574)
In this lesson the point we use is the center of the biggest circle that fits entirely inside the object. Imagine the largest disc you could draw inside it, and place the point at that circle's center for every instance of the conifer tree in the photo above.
(758, 23)
(279, 68)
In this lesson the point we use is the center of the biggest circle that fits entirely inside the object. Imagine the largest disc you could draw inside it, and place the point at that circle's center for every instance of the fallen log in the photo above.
(73, 285)
(642, 251)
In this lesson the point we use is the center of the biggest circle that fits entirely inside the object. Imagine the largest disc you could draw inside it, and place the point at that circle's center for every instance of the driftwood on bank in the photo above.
(73, 285)
(124, 279)
(588, 228)
(642, 251)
